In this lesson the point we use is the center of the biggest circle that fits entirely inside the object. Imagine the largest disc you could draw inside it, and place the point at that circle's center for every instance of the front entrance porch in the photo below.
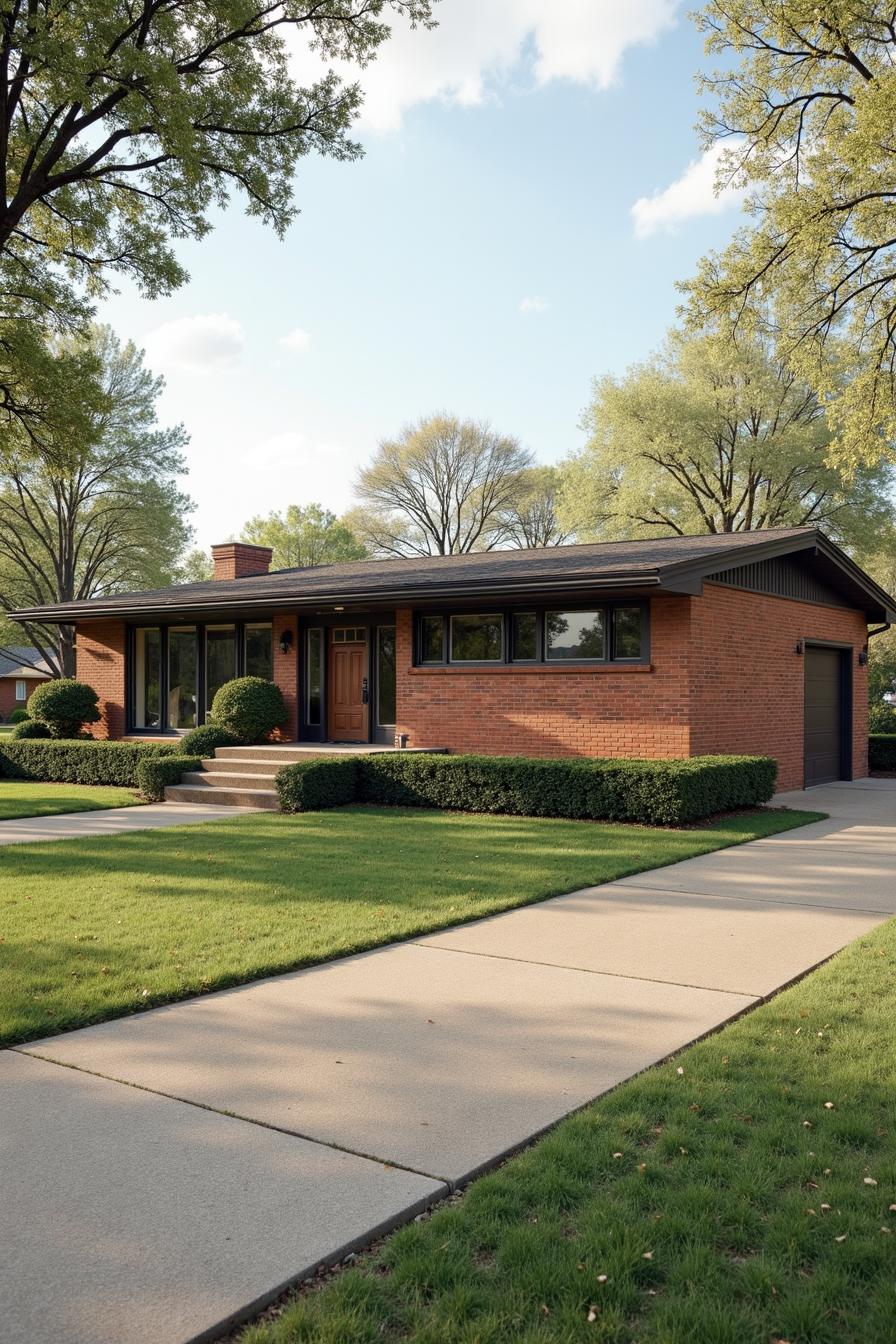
(244, 776)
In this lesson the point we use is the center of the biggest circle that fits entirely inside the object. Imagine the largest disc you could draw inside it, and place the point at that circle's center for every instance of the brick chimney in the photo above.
(239, 559)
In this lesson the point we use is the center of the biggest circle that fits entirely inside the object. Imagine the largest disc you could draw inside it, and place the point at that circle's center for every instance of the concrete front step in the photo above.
(285, 755)
(244, 764)
(265, 799)
(230, 779)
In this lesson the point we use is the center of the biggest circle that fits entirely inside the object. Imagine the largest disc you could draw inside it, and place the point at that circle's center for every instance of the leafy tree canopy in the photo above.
(94, 507)
(532, 518)
(124, 125)
(804, 104)
(304, 535)
(441, 487)
(713, 436)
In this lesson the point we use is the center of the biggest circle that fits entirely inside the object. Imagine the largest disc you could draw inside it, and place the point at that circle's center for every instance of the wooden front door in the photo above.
(349, 696)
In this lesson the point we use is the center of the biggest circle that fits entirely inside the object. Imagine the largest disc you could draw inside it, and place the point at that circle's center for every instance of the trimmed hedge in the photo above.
(660, 793)
(154, 773)
(205, 741)
(251, 707)
(882, 751)
(311, 786)
(19, 715)
(29, 728)
(77, 762)
(64, 705)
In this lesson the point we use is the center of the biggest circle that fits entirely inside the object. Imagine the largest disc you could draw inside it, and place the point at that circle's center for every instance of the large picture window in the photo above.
(259, 651)
(615, 632)
(385, 676)
(183, 667)
(148, 677)
(220, 659)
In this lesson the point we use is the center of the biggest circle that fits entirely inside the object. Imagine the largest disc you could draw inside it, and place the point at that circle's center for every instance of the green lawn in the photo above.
(6, 728)
(744, 1193)
(94, 928)
(19, 798)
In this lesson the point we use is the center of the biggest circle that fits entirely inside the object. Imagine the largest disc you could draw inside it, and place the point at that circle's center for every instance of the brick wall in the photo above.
(747, 683)
(8, 701)
(286, 677)
(99, 660)
(603, 710)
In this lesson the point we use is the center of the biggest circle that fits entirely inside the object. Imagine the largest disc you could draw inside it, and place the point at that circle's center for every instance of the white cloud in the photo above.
(289, 449)
(691, 195)
(297, 340)
(533, 303)
(197, 344)
(480, 44)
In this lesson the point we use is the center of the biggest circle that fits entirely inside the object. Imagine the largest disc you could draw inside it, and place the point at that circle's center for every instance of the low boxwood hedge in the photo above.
(77, 762)
(155, 773)
(205, 741)
(311, 786)
(652, 792)
(882, 751)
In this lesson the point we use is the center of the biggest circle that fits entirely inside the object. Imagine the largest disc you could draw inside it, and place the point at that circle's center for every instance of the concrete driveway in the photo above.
(189, 1162)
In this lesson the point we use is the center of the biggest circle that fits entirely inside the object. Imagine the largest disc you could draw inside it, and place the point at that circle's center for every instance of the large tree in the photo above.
(304, 535)
(713, 436)
(125, 123)
(83, 513)
(440, 488)
(532, 518)
(803, 104)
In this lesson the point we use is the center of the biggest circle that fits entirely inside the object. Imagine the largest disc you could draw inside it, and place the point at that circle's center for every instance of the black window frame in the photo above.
(540, 611)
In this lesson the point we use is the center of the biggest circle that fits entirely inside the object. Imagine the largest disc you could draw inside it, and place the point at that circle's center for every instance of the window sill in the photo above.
(529, 669)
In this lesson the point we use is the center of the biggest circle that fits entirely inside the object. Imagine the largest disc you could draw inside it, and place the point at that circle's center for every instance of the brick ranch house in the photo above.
(21, 669)
(672, 647)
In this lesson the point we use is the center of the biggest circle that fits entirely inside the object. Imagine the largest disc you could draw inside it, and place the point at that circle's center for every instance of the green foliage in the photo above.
(532, 517)
(124, 130)
(440, 488)
(154, 773)
(882, 751)
(311, 786)
(801, 107)
(881, 718)
(77, 762)
(250, 707)
(664, 793)
(195, 567)
(713, 435)
(204, 741)
(304, 536)
(19, 715)
(64, 705)
(27, 727)
(93, 506)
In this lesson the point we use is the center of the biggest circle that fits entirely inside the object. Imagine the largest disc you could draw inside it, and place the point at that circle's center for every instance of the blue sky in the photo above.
(531, 191)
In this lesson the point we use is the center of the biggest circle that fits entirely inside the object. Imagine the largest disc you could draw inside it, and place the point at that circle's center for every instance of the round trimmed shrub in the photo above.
(64, 705)
(19, 715)
(205, 741)
(250, 707)
(29, 728)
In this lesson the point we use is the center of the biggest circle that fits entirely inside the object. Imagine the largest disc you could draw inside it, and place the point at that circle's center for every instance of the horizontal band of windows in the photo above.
(524, 669)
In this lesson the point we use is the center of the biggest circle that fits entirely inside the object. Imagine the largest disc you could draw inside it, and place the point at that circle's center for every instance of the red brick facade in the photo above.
(8, 701)
(723, 677)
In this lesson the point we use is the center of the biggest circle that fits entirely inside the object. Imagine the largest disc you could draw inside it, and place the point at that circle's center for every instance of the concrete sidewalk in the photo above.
(112, 821)
(189, 1162)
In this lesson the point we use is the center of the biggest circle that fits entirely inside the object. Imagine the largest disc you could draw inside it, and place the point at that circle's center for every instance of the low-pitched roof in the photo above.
(666, 564)
(22, 661)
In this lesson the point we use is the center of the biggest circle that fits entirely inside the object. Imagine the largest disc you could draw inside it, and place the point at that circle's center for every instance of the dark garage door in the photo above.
(824, 715)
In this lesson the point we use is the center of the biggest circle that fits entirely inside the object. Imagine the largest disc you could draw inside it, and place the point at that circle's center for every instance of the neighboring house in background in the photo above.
(21, 669)
(679, 646)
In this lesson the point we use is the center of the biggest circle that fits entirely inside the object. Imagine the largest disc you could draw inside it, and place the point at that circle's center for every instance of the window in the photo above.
(148, 678)
(575, 634)
(352, 635)
(385, 675)
(21, 690)
(477, 639)
(259, 645)
(314, 677)
(524, 637)
(183, 699)
(432, 639)
(627, 632)
(220, 659)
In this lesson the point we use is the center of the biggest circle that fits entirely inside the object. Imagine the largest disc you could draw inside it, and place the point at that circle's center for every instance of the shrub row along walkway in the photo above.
(190, 1161)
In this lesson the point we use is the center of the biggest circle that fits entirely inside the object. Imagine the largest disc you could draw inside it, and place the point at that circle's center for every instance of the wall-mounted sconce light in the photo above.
(863, 657)
(799, 647)
(286, 641)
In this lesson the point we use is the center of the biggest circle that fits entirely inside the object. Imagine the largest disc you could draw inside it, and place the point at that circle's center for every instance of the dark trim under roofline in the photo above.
(668, 576)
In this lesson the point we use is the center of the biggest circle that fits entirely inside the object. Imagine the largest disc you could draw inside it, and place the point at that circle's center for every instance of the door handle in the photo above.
(365, 692)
